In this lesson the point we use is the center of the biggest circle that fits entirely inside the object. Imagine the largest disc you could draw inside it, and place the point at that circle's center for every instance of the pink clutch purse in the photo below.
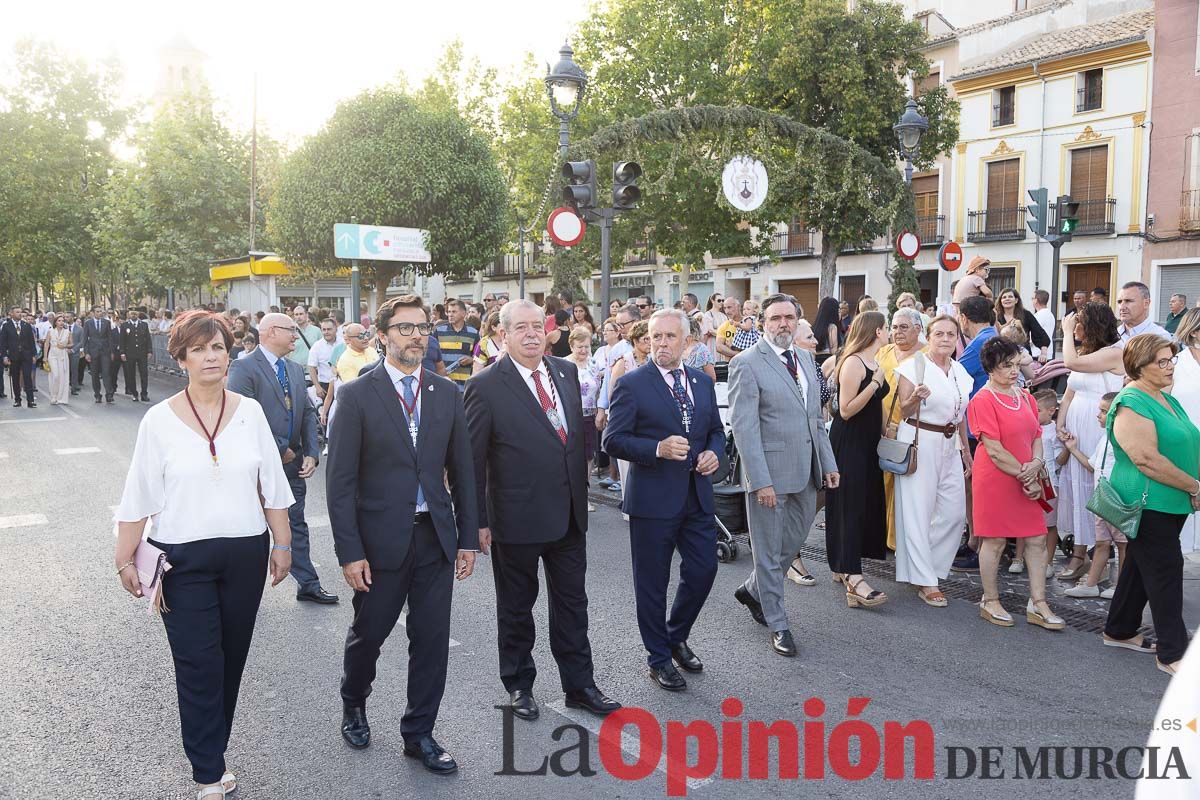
(151, 565)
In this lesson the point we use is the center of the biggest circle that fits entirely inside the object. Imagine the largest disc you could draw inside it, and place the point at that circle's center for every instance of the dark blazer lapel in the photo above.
(768, 353)
(574, 407)
(272, 377)
(516, 383)
(430, 410)
(386, 390)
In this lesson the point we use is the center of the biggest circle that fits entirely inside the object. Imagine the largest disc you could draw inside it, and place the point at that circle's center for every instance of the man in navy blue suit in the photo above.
(663, 420)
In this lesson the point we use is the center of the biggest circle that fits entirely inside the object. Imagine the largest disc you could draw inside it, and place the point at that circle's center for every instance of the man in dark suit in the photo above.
(526, 420)
(663, 420)
(77, 362)
(135, 355)
(118, 325)
(97, 351)
(400, 430)
(17, 348)
(277, 383)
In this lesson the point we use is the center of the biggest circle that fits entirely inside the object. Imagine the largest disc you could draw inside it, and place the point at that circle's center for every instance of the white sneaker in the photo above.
(1016, 567)
(1083, 590)
(1108, 593)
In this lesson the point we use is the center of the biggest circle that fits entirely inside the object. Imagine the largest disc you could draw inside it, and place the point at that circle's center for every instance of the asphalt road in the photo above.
(87, 702)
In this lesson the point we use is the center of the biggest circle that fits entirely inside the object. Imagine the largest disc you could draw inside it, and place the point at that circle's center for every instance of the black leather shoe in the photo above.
(781, 642)
(593, 700)
(32, 404)
(684, 657)
(133, 397)
(145, 398)
(431, 755)
(668, 678)
(355, 729)
(17, 404)
(317, 595)
(523, 704)
(109, 399)
(97, 398)
(746, 599)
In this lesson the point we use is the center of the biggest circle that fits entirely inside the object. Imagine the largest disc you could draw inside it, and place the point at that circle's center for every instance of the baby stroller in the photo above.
(728, 494)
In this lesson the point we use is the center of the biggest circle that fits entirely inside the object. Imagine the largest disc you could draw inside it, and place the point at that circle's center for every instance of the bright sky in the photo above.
(308, 55)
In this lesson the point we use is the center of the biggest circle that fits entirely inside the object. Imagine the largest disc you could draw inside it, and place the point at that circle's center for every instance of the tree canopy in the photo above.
(388, 157)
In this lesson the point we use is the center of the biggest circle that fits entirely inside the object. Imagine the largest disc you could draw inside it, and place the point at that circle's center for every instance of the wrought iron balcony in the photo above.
(793, 243)
(642, 254)
(996, 224)
(932, 229)
(1095, 217)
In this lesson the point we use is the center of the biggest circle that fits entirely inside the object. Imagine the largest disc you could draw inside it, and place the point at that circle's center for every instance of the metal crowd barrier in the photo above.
(160, 359)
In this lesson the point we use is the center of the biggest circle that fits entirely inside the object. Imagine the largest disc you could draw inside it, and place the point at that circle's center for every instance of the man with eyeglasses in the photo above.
(357, 356)
(268, 376)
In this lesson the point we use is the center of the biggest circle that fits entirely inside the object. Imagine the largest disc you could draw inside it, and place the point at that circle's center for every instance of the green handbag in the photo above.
(1108, 505)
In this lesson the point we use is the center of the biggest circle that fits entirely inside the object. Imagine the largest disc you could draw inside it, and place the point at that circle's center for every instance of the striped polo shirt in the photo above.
(456, 345)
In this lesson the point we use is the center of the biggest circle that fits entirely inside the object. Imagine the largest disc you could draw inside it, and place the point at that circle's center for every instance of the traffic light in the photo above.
(1068, 215)
(580, 191)
(1038, 208)
(625, 191)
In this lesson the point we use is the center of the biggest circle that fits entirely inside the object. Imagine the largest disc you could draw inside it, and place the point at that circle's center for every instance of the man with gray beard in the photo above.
(775, 411)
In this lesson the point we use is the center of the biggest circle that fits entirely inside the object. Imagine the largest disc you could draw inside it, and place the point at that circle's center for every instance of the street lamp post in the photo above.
(909, 130)
(566, 84)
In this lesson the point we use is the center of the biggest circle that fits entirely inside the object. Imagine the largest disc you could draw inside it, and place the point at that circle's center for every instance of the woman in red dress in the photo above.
(1005, 482)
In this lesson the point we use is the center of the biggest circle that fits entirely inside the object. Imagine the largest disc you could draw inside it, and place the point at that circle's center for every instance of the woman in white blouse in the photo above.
(203, 444)
(931, 503)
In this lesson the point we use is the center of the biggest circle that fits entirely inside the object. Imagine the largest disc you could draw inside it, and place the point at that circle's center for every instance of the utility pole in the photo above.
(355, 286)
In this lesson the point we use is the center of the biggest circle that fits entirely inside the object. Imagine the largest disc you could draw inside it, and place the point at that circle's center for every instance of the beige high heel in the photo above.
(1003, 619)
(1050, 621)
(854, 599)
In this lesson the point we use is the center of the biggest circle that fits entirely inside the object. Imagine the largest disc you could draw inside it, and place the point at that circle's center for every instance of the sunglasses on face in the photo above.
(643, 305)
(407, 328)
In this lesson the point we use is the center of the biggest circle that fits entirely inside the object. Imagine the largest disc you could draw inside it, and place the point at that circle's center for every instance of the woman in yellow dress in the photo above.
(906, 342)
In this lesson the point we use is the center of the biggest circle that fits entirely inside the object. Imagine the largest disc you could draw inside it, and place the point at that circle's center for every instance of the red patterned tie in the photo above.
(547, 406)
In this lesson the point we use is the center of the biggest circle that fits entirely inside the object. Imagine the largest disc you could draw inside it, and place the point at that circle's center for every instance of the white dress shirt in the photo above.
(397, 377)
(547, 384)
(1148, 326)
(670, 379)
(171, 477)
(1045, 318)
(801, 379)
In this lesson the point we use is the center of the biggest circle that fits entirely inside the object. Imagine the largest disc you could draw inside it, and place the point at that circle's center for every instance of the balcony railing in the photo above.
(793, 243)
(932, 229)
(642, 254)
(1189, 210)
(1003, 114)
(996, 224)
(1088, 99)
(507, 264)
(1095, 217)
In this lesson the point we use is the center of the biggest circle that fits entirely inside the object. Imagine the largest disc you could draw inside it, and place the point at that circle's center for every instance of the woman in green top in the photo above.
(1157, 452)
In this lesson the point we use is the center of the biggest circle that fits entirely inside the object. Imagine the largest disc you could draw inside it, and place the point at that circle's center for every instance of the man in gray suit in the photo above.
(277, 383)
(775, 409)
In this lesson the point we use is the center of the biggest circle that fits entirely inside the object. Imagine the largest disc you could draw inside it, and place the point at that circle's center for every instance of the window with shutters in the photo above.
(927, 84)
(1089, 186)
(1003, 218)
(925, 197)
(1004, 106)
(1089, 90)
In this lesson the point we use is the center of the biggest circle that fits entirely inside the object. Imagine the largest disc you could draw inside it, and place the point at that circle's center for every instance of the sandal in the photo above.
(854, 599)
(933, 598)
(802, 578)
(1146, 645)
(1170, 669)
(1068, 574)
(229, 781)
(216, 790)
(1003, 619)
(1050, 621)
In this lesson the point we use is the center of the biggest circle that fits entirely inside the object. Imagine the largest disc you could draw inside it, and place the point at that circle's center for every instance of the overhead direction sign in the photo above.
(380, 243)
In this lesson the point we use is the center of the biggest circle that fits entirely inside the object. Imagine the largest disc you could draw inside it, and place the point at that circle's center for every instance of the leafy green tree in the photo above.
(389, 158)
(184, 202)
(58, 121)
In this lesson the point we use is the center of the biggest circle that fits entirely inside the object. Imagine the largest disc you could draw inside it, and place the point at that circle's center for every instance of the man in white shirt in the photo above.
(1133, 309)
(1045, 318)
(320, 366)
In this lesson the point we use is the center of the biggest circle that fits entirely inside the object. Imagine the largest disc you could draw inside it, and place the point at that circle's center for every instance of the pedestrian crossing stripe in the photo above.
(23, 521)
(75, 451)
